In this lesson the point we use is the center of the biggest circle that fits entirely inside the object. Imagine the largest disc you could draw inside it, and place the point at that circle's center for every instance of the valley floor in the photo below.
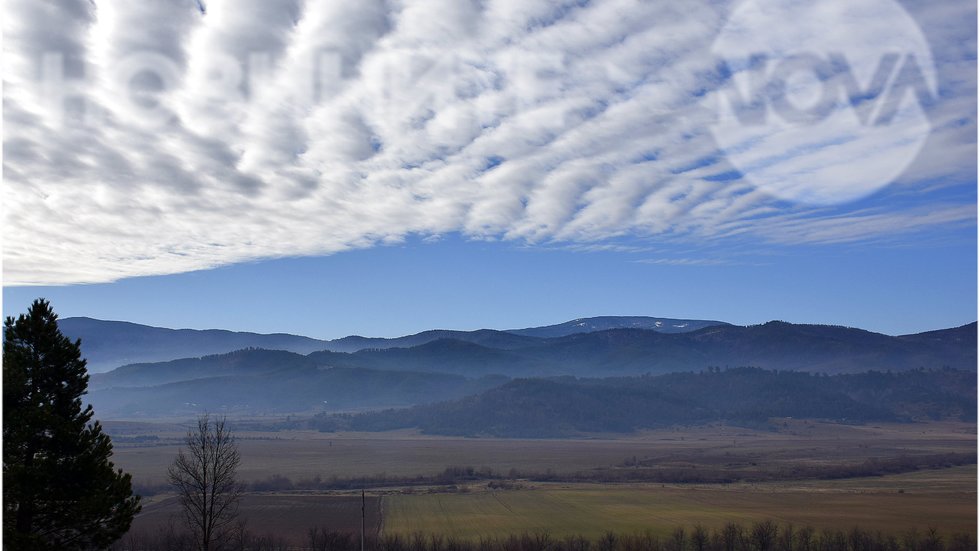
(784, 442)
(944, 497)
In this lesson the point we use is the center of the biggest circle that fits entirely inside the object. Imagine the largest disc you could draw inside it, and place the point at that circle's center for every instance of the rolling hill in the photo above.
(773, 345)
(239, 363)
(490, 338)
(561, 407)
(109, 344)
(297, 389)
(602, 323)
(261, 381)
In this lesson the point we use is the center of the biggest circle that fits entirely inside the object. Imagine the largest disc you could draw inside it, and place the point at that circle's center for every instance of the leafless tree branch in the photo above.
(204, 475)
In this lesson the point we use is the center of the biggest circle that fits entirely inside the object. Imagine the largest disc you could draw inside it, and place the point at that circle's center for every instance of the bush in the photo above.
(761, 536)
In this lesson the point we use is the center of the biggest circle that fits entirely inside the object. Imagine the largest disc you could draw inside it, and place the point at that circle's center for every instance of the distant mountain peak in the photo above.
(603, 323)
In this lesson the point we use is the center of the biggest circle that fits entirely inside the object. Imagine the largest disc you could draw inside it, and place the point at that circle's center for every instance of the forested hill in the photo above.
(240, 382)
(603, 323)
(773, 345)
(568, 406)
(109, 344)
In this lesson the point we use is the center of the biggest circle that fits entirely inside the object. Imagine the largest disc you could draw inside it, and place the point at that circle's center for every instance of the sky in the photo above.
(382, 167)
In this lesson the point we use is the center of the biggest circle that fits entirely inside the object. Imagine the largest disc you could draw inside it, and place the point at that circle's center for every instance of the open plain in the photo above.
(944, 499)
(782, 443)
(548, 486)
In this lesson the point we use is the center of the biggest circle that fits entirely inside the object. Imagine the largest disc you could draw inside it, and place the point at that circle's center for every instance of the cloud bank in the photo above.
(160, 137)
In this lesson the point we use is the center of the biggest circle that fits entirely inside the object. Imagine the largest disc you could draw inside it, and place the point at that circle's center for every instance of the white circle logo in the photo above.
(822, 102)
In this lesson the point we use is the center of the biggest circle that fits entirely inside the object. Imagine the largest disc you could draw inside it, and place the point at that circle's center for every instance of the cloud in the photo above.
(178, 139)
(857, 226)
(683, 261)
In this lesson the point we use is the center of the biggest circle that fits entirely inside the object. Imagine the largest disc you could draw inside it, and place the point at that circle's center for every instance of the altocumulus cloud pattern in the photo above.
(158, 137)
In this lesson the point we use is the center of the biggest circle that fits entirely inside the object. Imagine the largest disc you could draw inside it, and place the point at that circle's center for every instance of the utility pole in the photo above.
(362, 520)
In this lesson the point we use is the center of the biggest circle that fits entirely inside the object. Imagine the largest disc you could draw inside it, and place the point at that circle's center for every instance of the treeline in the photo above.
(761, 536)
(455, 478)
(712, 475)
(567, 406)
(278, 483)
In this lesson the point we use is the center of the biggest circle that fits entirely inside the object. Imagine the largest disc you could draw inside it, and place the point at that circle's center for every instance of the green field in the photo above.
(945, 499)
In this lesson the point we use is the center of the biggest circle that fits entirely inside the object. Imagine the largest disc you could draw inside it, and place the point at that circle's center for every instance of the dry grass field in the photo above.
(945, 499)
(305, 454)
(942, 498)
(289, 517)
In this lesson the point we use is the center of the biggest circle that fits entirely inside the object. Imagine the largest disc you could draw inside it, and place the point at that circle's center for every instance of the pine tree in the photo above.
(60, 491)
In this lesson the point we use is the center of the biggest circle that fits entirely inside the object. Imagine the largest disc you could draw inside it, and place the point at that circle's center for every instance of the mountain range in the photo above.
(359, 373)
(110, 344)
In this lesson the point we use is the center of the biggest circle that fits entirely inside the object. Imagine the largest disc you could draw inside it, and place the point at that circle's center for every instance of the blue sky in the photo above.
(453, 283)
(382, 167)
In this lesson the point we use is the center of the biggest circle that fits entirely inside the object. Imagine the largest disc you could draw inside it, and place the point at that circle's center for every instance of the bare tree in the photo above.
(205, 477)
(764, 535)
(700, 538)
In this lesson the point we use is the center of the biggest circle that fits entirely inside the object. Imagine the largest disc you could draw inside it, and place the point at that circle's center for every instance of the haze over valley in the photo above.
(482, 374)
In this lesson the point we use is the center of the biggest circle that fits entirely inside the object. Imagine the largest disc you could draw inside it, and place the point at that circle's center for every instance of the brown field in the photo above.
(289, 517)
(944, 498)
(305, 454)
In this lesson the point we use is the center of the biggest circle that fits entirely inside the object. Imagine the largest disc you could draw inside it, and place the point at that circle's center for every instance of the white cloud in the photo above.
(683, 261)
(310, 127)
